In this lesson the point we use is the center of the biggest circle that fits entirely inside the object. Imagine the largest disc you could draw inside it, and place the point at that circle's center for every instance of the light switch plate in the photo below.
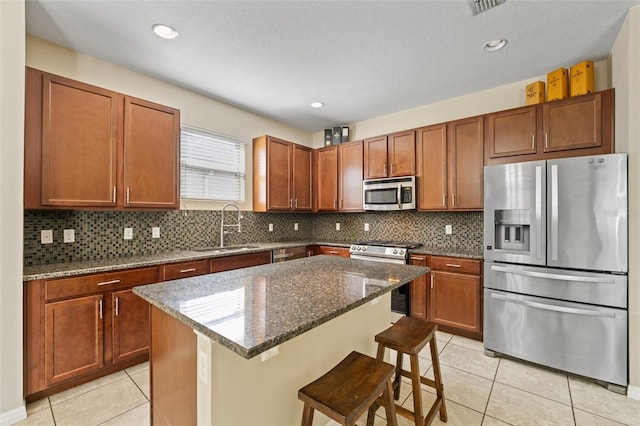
(366, 227)
(337, 226)
(448, 229)
(271, 227)
(155, 232)
(46, 236)
(69, 235)
(128, 233)
(295, 226)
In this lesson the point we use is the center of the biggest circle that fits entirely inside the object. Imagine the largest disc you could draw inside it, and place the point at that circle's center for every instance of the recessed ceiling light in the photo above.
(493, 45)
(317, 104)
(164, 31)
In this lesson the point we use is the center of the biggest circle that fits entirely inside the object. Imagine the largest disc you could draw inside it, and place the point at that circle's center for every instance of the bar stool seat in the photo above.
(349, 389)
(409, 336)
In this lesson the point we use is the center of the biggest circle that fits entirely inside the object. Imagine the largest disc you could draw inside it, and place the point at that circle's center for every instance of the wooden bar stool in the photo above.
(349, 389)
(408, 336)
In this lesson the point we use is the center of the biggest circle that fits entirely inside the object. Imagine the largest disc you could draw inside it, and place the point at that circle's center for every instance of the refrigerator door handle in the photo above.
(554, 212)
(538, 207)
(554, 308)
(561, 277)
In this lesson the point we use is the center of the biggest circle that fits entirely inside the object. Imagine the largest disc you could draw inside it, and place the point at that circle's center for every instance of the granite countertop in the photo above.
(67, 269)
(251, 310)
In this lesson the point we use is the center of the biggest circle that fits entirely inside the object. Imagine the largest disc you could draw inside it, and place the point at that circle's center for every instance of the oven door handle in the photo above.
(554, 308)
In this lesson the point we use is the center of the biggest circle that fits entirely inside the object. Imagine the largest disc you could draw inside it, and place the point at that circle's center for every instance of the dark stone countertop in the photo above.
(68, 269)
(251, 310)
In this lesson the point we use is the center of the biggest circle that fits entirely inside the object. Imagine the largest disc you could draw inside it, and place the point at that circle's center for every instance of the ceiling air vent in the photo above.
(482, 5)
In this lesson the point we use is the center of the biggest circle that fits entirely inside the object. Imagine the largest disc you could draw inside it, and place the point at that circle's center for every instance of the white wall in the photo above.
(195, 109)
(12, 27)
(625, 59)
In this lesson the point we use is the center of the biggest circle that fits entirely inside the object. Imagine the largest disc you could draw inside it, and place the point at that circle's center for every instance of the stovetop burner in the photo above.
(391, 243)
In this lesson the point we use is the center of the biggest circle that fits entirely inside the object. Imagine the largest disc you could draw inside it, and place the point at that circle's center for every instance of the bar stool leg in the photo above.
(307, 415)
(398, 376)
(417, 390)
(389, 406)
(438, 378)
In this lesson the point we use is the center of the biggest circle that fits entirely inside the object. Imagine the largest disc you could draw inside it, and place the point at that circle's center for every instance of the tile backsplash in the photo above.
(99, 234)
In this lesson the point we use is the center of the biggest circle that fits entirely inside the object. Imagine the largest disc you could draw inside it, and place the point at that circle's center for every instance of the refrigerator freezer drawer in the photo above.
(581, 339)
(574, 286)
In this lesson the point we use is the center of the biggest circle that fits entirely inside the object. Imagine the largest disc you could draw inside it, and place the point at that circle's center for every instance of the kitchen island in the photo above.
(261, 333)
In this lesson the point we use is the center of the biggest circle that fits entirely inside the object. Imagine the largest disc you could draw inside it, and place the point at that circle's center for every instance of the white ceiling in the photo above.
(363, 59)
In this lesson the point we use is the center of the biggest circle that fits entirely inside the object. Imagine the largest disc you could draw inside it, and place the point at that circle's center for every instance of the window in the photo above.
(212, 166)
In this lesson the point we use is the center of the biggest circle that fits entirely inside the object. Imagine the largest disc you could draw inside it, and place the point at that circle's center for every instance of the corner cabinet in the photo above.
(90, 147)
(450, 165)
(282, 175)
(581, 125)
(338, 177)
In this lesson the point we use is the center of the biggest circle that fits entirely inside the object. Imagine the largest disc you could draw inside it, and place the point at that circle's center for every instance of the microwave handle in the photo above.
(399, 197)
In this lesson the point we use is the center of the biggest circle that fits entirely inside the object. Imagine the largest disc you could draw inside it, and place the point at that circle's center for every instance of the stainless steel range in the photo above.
(390, 252)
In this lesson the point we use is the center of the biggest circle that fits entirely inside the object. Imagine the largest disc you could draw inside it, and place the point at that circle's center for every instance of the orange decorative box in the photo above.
(534, 93)
(582, 78)
(557, 84)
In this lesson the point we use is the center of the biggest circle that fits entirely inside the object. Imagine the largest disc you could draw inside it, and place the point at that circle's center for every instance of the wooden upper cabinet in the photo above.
(402, 153)
(390, 156)
(282, 175)
(431, 153)
(573, 123)
(375, 157)
(465, 147)
(79, 142)
(512, 132)
(151, 155)
(89, 147)
(350, 176)
(326, 189)
(302, 177)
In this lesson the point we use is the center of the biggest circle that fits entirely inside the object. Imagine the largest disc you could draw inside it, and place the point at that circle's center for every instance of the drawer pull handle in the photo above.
(184, 271)
(453, 265)
(416, 258)
(333, 252)
(109, 282)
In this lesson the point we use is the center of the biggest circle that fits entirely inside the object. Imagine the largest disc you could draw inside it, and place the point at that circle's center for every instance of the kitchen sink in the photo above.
(224, 249)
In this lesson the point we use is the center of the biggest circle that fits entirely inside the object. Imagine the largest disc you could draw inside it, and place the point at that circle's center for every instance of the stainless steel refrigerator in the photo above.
(556, 263)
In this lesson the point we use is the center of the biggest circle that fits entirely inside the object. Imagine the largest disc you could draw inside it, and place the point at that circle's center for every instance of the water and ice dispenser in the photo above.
(512, 230)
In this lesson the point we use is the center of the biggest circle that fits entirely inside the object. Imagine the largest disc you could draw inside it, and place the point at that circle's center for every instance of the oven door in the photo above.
(400, 296)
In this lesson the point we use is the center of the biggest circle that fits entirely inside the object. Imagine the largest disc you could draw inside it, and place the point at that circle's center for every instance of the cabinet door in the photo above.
(402, 154)
(130, 325)
(350, 173)
(73, 338)
(151, 153)
(326, 190)
(432, 167)
(418, 289)
(573, 123)
(466, 161)
(375, 157)
(455, 301)
(302, 175)
(79, 144)
(279, 166)
(511, 132)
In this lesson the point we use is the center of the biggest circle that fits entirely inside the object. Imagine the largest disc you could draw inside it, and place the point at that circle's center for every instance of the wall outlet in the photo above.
(448, 229)
(155, 232)
(295, 226)
(46, 236)
(69, 235)
(337, 226)
(271, 227)
(367, 228)
(128, 233)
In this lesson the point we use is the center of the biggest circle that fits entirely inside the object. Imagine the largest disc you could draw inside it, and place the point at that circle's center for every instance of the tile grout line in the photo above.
(136, 384)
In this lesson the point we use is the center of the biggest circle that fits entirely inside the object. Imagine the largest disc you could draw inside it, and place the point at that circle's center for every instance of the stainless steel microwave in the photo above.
(389, 193)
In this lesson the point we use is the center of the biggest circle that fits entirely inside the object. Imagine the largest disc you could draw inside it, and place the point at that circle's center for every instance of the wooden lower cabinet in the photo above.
(333, 251)
(450, 295)
(228, 263)
(73, 333)
(130, 325)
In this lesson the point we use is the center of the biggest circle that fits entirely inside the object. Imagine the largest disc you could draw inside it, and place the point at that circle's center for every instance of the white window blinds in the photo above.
(212, 165)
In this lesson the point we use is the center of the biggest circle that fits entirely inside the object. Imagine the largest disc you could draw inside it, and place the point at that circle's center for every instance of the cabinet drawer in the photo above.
(228, 263)
(334, 251)
(183, 270)
(455, 264)
(76, 286)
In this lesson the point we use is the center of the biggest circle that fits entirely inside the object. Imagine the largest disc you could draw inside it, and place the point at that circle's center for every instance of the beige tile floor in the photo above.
(479, 391)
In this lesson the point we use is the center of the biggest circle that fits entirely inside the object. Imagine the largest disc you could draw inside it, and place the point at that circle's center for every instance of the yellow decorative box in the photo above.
(534, 92)
(582, 78)
(557, 84)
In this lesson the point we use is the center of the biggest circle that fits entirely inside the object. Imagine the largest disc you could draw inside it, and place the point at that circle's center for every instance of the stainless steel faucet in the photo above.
(223, 225)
